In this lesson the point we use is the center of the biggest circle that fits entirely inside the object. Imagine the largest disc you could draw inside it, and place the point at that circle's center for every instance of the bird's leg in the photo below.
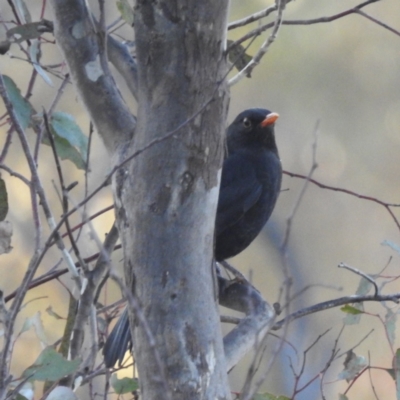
(239, 277)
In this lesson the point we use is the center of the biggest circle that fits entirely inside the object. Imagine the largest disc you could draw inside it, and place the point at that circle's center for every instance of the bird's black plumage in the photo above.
(250, 185)
(250, 182)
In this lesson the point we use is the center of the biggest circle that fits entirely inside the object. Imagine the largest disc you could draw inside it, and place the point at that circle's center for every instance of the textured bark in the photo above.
(166, 198)
(83, 48)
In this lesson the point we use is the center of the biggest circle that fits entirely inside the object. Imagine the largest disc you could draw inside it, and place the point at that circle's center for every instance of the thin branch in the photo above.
(93, 279)
(363, 274)
(253, 17)
(350, 192)
(383, 25)
(122, 60)
(16, 174)
(296, 206)
(64, 200)
(326, 305)
(246, 71)
(83, 47)
(259, 30)
(140, 318)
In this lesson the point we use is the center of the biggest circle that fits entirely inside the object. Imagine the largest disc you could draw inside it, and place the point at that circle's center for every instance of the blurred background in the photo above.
(342, 76)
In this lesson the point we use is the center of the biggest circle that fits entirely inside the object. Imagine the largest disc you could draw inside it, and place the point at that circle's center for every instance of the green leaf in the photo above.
(363, 287)
(71, 143)
(126, 11)
(238, 57)
(269, 396)
(50, 366)
(343, 397)
(52, 313)
(34, 52)
(3, 200)
(391, 372)
(29, 31)
(23, 11)
(353, 317)
(36, 322)
(124, 385)
(390, 324)
(392, 245)
(22, 107)
(397, 369)
(6, 232)
(353, 365)
(351, 310)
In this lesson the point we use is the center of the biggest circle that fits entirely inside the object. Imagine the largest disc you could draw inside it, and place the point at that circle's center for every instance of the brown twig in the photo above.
(259, 30)
(326, 305)
(246, 71)
(350, 192)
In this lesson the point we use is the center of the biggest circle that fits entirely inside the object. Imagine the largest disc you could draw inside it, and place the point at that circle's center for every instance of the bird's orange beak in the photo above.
(269, 119)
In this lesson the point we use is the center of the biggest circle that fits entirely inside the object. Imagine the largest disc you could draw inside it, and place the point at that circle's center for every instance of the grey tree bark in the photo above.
(166, 196)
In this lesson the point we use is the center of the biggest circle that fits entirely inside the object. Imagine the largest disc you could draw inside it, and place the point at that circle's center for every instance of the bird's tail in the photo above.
(118, 342)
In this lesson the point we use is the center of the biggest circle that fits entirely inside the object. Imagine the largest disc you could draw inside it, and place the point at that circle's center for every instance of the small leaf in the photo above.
(27, 391)
(4, 46)
(23, 11)
(391, 372)
(6, 231)
(50, 366)
(343, 397)
(62, 393)
(22, 107)
(36, 322)
(268, 396)
(52, 313)
(124, 385)
(353, 365)
(397, 370)
(70, 141)
(392, 245)
(238, 57)
(350, 310)
(363, 287)
(126, 11)
(30, 31)
(390, 324)
(34, 53)
(353, 318)
(3, 200)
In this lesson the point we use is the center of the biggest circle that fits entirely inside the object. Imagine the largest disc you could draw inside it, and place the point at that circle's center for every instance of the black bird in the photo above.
(250, 185)
(250, 182)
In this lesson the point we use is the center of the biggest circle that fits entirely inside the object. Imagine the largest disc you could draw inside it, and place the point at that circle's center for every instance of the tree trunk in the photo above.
(166, 198)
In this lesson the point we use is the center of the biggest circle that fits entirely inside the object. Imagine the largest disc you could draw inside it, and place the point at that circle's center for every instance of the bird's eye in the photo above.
(246, 123)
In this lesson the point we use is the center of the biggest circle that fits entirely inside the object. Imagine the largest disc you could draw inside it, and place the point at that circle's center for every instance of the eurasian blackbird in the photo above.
(250, 182)
(250, 185)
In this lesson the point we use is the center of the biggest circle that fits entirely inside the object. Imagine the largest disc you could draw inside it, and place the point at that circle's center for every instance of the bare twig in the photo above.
(296, 206)
(259, 30)
(383, 25)
(395, 297)
(246, 71)
(363, 274)
(63, 192)
(350, 192)
(254, 17)
(141, 319)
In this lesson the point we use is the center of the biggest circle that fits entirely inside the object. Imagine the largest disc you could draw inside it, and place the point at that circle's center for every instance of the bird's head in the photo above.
(253, 127)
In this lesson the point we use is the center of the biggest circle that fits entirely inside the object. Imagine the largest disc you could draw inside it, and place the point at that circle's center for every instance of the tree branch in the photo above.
(262, 28)
(82, 44)
(251, 330)
(395, 297)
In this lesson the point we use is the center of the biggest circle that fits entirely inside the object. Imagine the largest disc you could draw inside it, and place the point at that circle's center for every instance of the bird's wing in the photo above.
(240, 190)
